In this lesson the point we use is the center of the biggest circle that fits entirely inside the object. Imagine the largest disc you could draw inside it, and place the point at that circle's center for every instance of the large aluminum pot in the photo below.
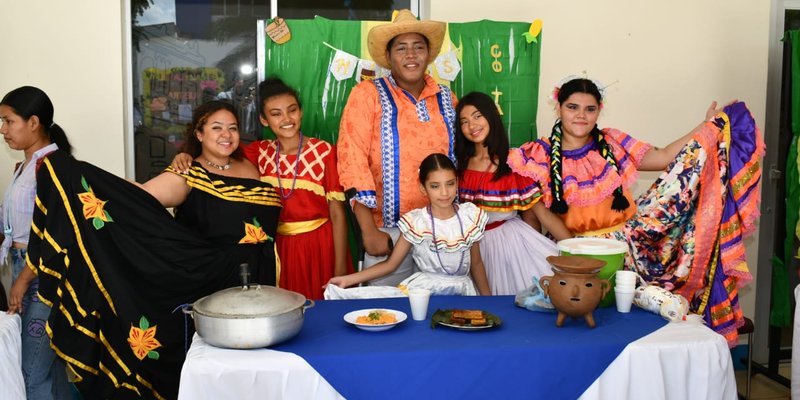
(248, 317)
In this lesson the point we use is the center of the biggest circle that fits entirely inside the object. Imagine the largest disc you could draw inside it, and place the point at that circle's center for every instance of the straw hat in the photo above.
(405, 22)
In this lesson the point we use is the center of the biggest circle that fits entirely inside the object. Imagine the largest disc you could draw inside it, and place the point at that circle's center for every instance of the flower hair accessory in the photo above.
(600, 86)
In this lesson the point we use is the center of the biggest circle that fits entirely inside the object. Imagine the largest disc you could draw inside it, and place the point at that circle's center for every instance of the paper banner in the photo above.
(447, 65)
(343, 65)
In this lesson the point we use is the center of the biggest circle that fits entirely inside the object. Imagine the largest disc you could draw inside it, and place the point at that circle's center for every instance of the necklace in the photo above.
(436, 249)
(278, 166)
(218, 166)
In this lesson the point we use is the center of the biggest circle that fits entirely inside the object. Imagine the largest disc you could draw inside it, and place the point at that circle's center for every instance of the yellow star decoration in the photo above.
(93, 208)
(254, 233)
(143, 340)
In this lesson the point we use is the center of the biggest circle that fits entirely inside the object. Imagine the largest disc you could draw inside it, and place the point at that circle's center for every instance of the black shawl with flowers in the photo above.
(113, 264)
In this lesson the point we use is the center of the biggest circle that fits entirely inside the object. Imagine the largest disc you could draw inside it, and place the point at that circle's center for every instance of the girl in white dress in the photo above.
(441, 237)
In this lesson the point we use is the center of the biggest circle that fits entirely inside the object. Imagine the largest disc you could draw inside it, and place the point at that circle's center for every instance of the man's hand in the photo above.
(377, 242)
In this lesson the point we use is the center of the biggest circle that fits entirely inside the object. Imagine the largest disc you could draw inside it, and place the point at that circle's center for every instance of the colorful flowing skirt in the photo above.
(687, 234)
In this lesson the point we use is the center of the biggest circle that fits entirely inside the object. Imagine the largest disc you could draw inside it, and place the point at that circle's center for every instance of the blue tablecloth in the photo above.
(527, 357)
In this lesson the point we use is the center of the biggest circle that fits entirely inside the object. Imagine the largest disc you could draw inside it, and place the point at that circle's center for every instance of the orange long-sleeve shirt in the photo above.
(384, 135)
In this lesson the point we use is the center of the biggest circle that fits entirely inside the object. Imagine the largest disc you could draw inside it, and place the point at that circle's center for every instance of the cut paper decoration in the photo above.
(278, 31)
(343, 65)
(447, 66)
(533, 31)
(369, 70)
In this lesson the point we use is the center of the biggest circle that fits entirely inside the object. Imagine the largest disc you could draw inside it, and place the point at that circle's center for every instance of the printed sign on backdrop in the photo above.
(447, 66)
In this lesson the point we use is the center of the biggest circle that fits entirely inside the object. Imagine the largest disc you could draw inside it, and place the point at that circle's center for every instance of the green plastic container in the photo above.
(609, 250)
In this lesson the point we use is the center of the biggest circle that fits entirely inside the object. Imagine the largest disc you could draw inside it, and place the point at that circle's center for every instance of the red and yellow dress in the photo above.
(305, 232)
(513, 252)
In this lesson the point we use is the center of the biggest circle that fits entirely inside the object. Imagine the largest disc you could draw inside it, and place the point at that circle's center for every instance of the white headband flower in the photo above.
(600, 86)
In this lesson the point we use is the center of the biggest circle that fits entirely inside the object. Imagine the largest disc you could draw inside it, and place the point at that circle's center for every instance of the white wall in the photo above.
(670, 60)
(73, 51)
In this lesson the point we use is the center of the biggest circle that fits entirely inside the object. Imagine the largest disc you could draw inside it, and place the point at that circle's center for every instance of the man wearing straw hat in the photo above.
(388, 127)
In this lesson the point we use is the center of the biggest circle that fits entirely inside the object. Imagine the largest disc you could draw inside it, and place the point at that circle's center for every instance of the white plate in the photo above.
(350, 318)
(467, 327)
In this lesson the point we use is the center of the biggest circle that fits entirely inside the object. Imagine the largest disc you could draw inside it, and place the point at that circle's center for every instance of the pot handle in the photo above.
(188, 309)
(308, 304)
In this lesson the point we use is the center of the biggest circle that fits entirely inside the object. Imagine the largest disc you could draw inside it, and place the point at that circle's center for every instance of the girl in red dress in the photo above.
(312, 230)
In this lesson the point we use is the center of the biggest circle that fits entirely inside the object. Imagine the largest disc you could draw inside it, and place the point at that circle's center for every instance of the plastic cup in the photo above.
(418, 298)
(625, 278)
(625, 286)
(624, 299)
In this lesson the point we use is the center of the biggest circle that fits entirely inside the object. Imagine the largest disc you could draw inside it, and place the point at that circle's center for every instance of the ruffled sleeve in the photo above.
(634, 149)
(474, 220)
(532, 160)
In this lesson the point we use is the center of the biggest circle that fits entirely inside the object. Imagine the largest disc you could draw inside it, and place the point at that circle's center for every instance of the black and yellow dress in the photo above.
(114, 265)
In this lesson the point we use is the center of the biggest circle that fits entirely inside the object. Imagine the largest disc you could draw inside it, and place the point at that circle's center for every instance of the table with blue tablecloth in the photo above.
(625, 356)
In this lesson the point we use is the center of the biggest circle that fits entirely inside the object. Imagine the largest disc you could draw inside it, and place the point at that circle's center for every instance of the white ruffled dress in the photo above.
(444, 264)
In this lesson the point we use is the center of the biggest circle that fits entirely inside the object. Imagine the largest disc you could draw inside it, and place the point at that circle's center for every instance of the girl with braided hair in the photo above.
(684, 233)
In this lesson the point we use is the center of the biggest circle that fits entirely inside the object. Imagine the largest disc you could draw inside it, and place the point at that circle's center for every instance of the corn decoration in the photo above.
(533, 31)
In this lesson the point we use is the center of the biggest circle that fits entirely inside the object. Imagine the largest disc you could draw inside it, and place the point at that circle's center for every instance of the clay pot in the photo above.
(574, 288)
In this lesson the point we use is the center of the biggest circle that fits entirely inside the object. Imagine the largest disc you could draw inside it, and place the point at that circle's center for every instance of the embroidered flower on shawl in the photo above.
(254, 233)
(93, 208)
(143, 340)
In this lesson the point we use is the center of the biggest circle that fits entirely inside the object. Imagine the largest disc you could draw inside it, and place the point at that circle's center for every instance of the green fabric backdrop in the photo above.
(303, 64)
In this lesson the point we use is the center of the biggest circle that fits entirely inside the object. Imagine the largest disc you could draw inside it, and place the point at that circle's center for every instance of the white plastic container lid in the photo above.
(592, 246)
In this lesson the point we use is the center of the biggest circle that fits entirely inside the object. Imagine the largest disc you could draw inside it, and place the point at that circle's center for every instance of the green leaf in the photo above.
(98, 223)
(108, 216)
(153, 355)
(85, 185)
(255, 222)
(143, 323)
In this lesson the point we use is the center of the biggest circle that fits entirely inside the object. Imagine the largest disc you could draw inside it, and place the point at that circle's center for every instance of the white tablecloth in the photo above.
(682, 361)
(796, 347)
(213, 373)
(12, 385)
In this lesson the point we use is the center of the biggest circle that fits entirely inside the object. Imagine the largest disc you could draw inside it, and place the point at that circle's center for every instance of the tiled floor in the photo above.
(763, 387)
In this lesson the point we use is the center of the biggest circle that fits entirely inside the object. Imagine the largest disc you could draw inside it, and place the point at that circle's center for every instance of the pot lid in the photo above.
(249, 302)
(592, 246)
(576, 264)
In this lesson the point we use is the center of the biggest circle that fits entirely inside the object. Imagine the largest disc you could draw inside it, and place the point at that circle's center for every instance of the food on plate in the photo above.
(465, 319)
(468, 317)
(377, 317)
(468, 314)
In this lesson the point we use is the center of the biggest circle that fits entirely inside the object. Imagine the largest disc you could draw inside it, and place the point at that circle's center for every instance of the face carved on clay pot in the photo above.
(574, 292)
(575, 289)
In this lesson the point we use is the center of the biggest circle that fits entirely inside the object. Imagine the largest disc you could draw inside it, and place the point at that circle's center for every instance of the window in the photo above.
(186, 52)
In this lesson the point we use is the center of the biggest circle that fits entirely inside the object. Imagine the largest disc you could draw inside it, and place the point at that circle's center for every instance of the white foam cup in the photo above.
(624, 299)
(625, 278)
(418, 298)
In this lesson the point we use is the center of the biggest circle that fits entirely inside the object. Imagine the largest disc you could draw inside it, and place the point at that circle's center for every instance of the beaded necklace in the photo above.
(436, 248)
(278, 166)
(218, 166)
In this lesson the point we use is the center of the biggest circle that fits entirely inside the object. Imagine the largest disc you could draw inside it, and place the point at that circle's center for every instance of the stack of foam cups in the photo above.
(623, 290)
